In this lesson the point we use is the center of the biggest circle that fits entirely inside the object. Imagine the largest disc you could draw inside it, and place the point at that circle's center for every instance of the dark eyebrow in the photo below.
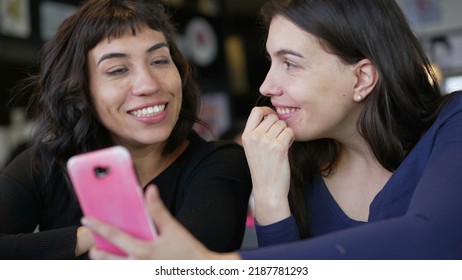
(286, 51)
(157, 46)
(119, 55)
(110, 55)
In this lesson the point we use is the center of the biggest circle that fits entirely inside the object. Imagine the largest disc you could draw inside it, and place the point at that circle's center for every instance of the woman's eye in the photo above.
(289, 65)
(117, 72)
(160, 62)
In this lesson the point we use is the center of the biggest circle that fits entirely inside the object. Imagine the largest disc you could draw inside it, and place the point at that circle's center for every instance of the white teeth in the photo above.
(148, 111)
(283, 111)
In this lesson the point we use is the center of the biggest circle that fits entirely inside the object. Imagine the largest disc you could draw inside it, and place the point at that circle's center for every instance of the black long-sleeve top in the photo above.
(207, 189)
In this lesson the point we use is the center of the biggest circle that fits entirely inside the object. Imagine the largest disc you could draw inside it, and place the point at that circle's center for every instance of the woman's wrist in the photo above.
(84, 241)
(224, 256)
(268, 212)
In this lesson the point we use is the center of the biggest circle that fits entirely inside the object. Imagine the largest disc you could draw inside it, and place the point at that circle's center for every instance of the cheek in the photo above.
(102, 113)
(98, 100)
(106, 103)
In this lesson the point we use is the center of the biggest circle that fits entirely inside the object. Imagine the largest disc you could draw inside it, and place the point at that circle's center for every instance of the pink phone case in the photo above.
(107, 188)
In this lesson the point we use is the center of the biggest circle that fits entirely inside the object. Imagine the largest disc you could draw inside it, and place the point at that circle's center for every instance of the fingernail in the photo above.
(85, 221)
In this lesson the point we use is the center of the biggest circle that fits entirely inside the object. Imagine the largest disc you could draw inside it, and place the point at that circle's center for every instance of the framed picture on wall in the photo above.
(445, 50)
(52, 14)
(15, 18)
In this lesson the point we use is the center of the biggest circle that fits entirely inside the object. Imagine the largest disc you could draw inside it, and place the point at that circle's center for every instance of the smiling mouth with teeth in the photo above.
(284, 111)
(148, 111)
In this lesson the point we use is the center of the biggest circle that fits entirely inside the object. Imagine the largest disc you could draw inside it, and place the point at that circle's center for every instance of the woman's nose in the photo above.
(270, 87)
(145, 82)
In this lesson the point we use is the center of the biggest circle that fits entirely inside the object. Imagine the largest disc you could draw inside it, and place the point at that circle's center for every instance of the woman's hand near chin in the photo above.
(266, 141)
(173, 240)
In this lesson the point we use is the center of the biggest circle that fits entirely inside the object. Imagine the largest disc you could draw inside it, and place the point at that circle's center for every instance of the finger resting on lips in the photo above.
(267, 123)
(257, 115)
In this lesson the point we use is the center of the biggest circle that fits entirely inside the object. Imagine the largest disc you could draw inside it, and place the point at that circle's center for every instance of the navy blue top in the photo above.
(415, 215)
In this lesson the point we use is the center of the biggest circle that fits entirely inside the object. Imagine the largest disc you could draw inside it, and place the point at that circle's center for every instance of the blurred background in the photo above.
(223, 39)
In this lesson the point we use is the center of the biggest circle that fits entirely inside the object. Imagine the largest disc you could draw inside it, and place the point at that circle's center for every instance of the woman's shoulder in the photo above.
(449, 114)
(21, 160)
(453, 102)
(450, 107)
(29, 165)
(215, 155)
(20, 170)
(209, 159)
(200, 147)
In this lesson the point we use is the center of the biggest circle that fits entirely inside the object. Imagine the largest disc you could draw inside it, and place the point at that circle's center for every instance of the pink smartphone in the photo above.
(107, 189)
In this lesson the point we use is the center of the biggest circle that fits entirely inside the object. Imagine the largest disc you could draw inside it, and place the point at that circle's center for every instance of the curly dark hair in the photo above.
(66, 122)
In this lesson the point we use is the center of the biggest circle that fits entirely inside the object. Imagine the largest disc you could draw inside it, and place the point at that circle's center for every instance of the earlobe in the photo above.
(367, 76)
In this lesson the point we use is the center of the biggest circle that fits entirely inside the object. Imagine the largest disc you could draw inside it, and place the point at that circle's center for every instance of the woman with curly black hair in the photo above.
(113, 75)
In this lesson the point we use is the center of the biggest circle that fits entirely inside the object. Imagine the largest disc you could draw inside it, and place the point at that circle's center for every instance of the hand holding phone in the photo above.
(107, 187)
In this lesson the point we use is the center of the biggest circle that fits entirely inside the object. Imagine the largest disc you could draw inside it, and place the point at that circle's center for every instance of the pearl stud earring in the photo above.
(358, 98)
